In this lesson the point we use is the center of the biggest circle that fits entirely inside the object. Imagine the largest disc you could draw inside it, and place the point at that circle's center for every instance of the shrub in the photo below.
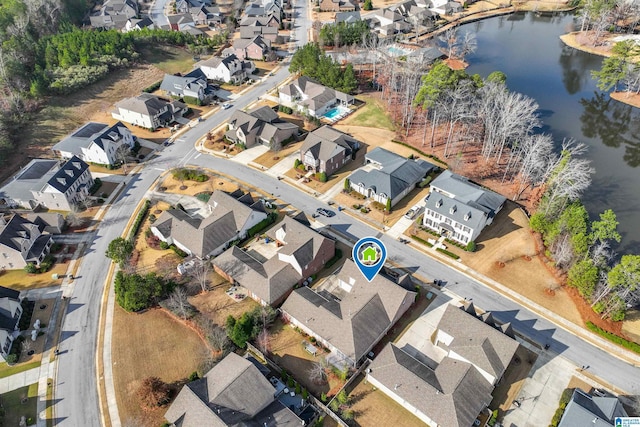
(421, 240)
(178, 251)
(305, 394)
(270, 219)
(194, 376)
(30, 268)
(494, 417)
(135, 292)
(425, 182)
(447, 253)
(164, 245)
(204, 197)
(635, 347)
(471, 246)
(321, 176)
(11, 358)
(97, 183)
(154, 87)
(323, 397)
(297, 163)
(192, 100)
(153, 392)
(186, 174)
(298, 389)
(138, 222)
(285, 109)
(46, 264)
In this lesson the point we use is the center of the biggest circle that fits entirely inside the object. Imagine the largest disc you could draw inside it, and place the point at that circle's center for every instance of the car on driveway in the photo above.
(325, 212)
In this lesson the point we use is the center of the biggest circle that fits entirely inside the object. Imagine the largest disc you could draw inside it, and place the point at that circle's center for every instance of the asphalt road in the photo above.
(76, 388)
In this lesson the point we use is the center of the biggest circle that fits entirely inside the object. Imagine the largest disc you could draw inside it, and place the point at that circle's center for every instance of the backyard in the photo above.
(372, 115)
(217, 305)
(150, 344)
(19, 403)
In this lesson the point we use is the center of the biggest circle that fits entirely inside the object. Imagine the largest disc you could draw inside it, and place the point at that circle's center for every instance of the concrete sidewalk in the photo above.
(18, 380)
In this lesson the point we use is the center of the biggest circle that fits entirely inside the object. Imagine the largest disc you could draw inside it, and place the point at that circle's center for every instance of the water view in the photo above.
(527, 48)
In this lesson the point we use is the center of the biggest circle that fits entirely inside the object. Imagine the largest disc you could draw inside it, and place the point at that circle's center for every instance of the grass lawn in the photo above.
(7, 371)
(269, 159)
(217, 305)
(20, 280)
(19, 403)
(150, 344)
(169, 59)
(371, 115)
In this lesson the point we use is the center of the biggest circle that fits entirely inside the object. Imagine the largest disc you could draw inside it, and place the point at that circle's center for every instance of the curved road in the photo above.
(76, 389)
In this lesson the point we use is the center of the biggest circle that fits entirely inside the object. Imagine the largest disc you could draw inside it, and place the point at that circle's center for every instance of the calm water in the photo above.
(527, 49)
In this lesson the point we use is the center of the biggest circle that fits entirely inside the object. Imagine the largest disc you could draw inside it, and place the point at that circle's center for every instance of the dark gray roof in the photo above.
(68, 174)
(33, 176)
(177, 84)
(456, 210)
(8, 306)
(452, 395)
(233, 393)
(88, 133)
(586, 410)
(16, 231)
(347, 17)
(355, 323)
(145, 103)
(396, 174)
(467, 192)
(9, 293)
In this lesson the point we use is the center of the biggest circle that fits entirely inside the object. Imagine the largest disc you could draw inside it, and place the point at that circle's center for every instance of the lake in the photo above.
(527, 48)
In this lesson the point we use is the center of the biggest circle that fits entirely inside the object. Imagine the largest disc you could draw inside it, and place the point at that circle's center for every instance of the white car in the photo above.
(414, 212)
(226, 105)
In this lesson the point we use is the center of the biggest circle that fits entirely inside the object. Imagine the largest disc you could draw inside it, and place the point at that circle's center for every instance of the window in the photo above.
(447, 221)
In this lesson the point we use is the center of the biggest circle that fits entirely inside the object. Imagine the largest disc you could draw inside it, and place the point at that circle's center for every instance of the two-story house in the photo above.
(22, 242)
(306, 94)
(259, 126)
(114, 14)
(148, 111)
(10, 314)
(459, 208)
(193, 85)
(229, 69)
(327, 149)
(253, 48)
(96, 143)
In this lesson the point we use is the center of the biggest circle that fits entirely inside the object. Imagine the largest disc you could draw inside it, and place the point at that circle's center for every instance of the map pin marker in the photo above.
(369, 254)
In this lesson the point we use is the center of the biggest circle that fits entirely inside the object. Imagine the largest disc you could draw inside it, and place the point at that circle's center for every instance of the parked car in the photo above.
(414, 212)
(325, 212)
(226, 105)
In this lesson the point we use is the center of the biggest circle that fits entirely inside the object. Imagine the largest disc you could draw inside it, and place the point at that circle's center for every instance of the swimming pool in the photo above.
(398, 51)
(336, 113)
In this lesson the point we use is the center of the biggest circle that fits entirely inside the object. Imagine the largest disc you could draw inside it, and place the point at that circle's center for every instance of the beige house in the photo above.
(260, 126)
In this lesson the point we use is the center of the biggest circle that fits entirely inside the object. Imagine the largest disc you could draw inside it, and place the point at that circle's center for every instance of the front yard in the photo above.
(20, 280)
(191, 188)
(269, 159)
(19, 403)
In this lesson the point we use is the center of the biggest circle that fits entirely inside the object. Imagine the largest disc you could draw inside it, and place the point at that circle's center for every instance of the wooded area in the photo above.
(311, 61)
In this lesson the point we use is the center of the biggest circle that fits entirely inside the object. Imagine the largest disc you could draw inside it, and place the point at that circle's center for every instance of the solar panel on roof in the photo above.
(89, 129)
(38, 169)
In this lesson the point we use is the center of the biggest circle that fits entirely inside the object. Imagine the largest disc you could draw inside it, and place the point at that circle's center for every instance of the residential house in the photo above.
(260, 21)
(450, 383)
(347, 17)
(48, 222)
(306, 94)
(260, 126)
(114, 14)
(232, 215)
(265, 31)
(67, 188)
(349, 314)
(338, 5)
(206, 15)
(425, 56)
(446, 7)
(387, 22)
(183, 6)
(96, 143)
(271, 267)
(254, 48)
(180, 21)
(192, 86)
(135, 24)
(148, 111)
(591, 410)
(10, 314)
(327, 149)
(22, 242)
(459, 208)
(49, 183)
(233, 393)
(388, 176)
(263, 8)
(227, 69)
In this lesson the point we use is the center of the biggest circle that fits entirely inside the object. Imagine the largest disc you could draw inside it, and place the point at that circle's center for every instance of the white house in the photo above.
(460, 209)
(229, 69)
(10, 314)
(306, 94)
(148, 111)
(95, 143)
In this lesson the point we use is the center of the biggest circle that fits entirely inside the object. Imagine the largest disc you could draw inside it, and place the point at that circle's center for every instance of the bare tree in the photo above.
(178, 303)
(153, 392)
(73, 219)
(200, 273)
(122, 154)
(215, 335)
(264, 341)
(318, 371)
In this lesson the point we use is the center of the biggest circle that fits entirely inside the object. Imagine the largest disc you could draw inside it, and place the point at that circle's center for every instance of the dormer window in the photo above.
(69, 172)
(453, 209)
(439, 203)
(62, 181)
(467, 216)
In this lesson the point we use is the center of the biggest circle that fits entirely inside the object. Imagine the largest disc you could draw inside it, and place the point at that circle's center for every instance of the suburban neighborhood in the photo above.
(327, 213)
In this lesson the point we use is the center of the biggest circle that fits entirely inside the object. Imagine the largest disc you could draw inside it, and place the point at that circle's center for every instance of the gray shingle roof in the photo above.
(233, 393)
(325, 142)
(88, 133)
(347, 17)
(479, 343)
(318, 95)
(33, 176)
(467, 192)
(15, 231)
(396, 174)
(451, 395)
(586, 410)
(144, 103)
(357, 322)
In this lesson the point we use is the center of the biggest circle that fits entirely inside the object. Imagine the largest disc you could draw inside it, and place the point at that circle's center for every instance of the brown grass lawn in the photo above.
(269, 159)
(213, 183)
(371, 407)
(217, 305)
(288, 353)
(20, 280)
(150, 344)
(509, 241)
(631, 325)
(509, 387)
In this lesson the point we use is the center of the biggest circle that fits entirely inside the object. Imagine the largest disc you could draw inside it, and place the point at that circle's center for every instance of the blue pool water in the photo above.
(398, 51)
(334, 113)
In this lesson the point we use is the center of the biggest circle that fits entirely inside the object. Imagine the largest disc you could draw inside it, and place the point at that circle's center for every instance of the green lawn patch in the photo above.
(169, 59)
(19, 403)
(372, 115)
(7, 371)
(447, 253)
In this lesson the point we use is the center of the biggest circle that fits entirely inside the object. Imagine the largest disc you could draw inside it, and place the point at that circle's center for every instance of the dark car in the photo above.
(325, 212)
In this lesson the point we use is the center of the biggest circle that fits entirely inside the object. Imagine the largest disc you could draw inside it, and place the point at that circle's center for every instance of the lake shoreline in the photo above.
(572, 40)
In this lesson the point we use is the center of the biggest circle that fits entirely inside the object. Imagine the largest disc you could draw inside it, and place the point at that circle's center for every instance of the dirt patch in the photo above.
(371, 407)
(583, 40)
(631, 325)
(150, 344)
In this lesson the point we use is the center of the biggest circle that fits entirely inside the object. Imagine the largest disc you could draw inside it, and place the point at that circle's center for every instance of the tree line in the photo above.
(311, 61)
(620, 71)
(344, 33)
(601, 16)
